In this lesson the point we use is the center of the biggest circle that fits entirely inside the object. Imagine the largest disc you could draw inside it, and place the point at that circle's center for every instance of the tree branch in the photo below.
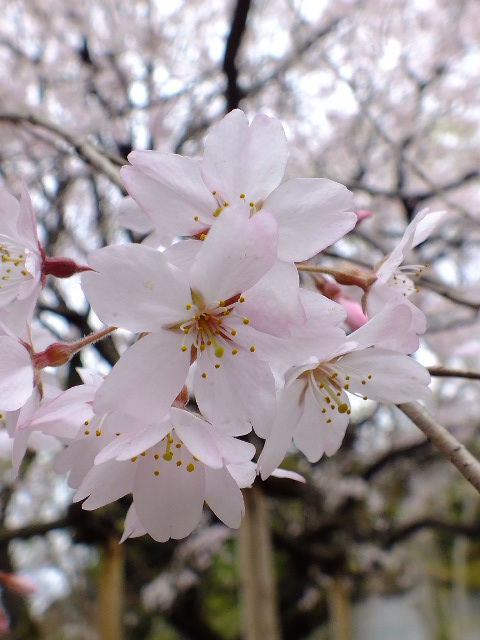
(233, 92)
(446, 372)
(85, 149)
(451, 448)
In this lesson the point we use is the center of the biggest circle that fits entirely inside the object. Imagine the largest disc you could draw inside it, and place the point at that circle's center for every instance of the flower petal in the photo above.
(134, 287)
(312, 214)
(146, 379)
(16, 374)
(224, 497)
(237, 252)
(170, 189)
(170, 504)
(241, 159)
(237, 395)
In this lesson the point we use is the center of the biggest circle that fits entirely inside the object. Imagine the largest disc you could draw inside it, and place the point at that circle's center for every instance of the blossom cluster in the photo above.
(222, 324)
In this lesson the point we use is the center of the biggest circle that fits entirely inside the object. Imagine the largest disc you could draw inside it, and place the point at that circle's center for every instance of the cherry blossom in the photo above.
(198, 316)
(393, 282)
(171, 467)
(313, 407)
(244, 164)
(21, 257)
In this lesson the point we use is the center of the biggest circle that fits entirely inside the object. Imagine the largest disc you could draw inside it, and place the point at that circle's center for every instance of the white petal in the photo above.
(237, 395)
(133, 528)
(168, 505)
(134, 287)
(385, 376)
(237, 252)
(224, 497)
(211, 446)
(241, 159)
(315, 436)
(146, 379)
(170, 189)
(106, 483)
(289, 411)
(312, 214)
(16, 374)
(273, 304)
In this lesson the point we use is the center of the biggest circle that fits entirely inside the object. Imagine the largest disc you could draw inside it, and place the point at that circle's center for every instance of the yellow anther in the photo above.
(184, 348)
(242, 195)
(86, 432)
(343, 408)
(233, 332)
(365, 398)
(133, 459)
(178, 445)
(196, 218)
(179, 463)
(234, 352)
(251, 204)
(143, 453)
(85, 423)
(156, 472)
(202, 236)
(98, 432)
(217, 366)
(190, 467)
(204, 375)
(246, 321)
(329, 420)
(241, 299)
(156, 456)
(214, 193)
(369, 377)
(188, 306)
(202, 346)
(252, 348)
(221, 303)
(364, 382)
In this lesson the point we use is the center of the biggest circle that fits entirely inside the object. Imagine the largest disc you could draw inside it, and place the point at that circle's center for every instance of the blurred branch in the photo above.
(233, 92)
(456, 452)
(446, 372)
(85, 149)
(435, 190)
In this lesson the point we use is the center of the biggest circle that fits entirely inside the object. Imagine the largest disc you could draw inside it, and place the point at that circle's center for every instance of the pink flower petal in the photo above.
(134, 287)
(241, 159)
(312, 214)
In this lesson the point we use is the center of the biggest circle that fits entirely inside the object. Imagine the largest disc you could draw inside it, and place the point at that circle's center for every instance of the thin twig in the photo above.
(456, 452)
(446, 372)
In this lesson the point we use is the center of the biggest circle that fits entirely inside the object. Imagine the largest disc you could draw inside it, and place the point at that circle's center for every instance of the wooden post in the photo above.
(110, 590)
(258, 595)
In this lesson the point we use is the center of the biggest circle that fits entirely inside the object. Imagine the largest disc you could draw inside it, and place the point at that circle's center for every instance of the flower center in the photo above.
(402, 278)
(13, 268)
(209, 327)
(175, 452)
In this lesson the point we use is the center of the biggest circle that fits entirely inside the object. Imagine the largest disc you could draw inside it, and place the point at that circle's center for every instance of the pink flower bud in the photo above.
(17, 583)
(362, 214)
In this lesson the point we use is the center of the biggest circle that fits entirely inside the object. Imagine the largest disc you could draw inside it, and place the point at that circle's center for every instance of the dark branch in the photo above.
(233, 92)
